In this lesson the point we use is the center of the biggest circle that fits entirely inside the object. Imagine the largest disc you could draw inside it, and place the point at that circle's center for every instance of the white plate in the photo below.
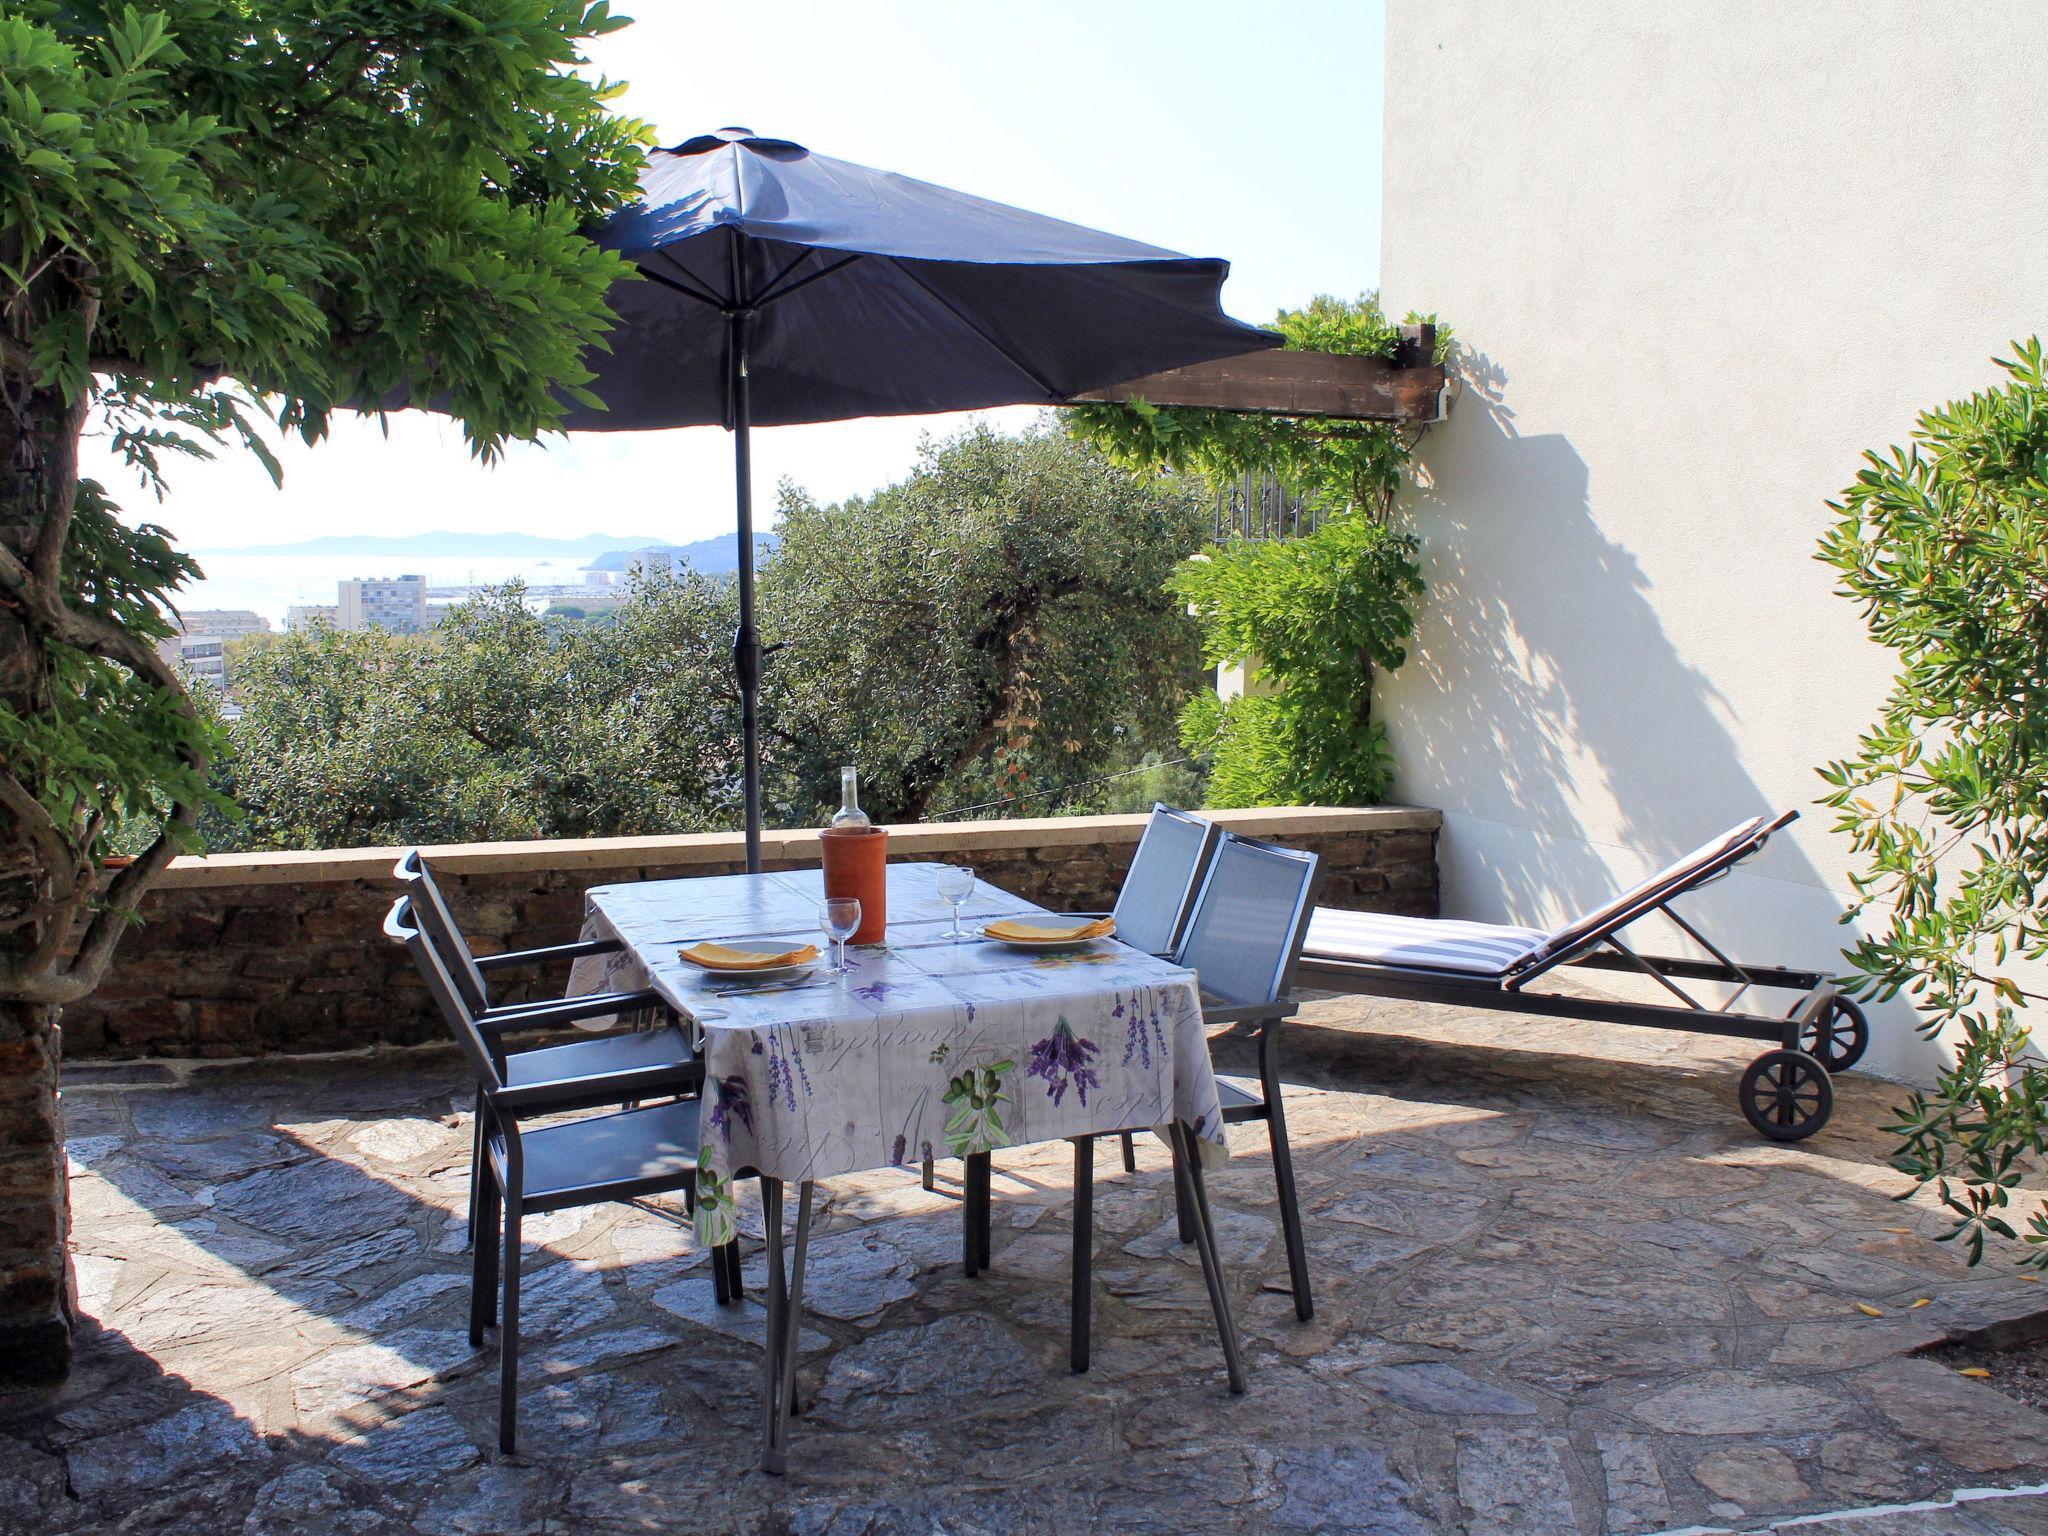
(715, 974)
(1048, 945)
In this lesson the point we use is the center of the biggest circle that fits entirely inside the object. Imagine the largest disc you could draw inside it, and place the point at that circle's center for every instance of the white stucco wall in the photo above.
(1700, 256)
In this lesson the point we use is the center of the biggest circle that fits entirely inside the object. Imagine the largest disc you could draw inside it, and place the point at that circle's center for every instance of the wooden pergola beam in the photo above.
(1406, 388)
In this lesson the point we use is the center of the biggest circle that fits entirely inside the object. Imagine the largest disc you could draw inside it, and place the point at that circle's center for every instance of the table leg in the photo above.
(973, 1214)
(772, 1341)
(1186, 1161)
(784, 1322)
(984, 1171)
(793, 1327)
(1084, 1252)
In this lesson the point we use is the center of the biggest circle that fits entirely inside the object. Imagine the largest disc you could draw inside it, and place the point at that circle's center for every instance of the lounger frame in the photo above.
(1806, 1031)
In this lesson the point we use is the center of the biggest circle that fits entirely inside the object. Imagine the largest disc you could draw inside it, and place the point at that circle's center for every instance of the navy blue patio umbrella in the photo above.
(782, 287)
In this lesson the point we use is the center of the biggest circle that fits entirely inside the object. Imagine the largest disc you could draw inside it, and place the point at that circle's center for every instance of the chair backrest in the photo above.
(1250, 919)
(431, 910)
(1159, 888)
(403, 925)
(1707, 862)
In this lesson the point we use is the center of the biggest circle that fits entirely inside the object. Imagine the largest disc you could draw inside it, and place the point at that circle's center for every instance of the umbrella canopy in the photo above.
(783, 286)
(874, 294)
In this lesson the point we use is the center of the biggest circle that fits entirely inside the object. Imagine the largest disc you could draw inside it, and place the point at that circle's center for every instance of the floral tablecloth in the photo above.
(927, 1048)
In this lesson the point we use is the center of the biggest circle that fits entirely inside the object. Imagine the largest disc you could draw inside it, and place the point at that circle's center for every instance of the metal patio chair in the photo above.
(615, 1057)
(1785, 1094)
(625, 1155)
(472, 972)
(1243, 936)
(1153, 903)
(1158, 893)
(1243, 942)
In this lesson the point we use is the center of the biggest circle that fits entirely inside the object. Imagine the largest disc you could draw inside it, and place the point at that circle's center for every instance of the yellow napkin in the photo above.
(1038, 933)
(717, 957)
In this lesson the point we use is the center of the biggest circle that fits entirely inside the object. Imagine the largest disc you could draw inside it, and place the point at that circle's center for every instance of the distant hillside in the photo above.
(479, 545)
(710, 556)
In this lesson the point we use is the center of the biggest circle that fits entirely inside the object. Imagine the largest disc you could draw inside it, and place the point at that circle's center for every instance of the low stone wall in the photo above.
(244, 954)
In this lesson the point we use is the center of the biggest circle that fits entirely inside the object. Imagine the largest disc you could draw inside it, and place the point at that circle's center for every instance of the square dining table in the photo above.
(924, 1047)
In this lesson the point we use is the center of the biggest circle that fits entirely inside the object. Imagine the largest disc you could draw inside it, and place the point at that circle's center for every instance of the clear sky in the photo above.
(1212, 127)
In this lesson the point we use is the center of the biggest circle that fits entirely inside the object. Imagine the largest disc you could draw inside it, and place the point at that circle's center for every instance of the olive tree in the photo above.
(997, 624)
(1944, 545)
(214, 212)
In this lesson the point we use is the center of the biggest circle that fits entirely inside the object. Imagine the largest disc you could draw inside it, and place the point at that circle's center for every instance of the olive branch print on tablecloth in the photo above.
(977, 1124)
(718, 1218)
(1062, 1058)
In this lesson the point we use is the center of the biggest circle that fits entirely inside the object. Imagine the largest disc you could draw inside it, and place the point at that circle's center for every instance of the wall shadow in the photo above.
(1542, 673)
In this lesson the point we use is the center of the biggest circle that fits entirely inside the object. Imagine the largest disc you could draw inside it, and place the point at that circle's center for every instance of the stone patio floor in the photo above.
(1561, 1288)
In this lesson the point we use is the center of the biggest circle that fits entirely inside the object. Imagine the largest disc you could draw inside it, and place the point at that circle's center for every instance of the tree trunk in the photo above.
(36, 1298)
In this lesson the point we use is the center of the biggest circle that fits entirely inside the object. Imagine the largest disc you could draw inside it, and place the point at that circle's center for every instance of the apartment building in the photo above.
(395, 604)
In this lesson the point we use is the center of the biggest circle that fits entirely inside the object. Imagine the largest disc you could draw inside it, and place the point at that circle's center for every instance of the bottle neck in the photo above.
(849, 790)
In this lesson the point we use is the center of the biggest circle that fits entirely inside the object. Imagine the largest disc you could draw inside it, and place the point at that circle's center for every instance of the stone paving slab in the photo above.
(1560, 1286)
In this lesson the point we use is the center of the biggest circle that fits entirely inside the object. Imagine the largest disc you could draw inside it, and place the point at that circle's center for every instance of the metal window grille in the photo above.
(1258, 506)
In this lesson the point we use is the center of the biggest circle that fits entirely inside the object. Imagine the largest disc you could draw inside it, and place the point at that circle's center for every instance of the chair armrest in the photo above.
(684, 1077)
(1221, 1010)
(568, 1010)
(547, 956)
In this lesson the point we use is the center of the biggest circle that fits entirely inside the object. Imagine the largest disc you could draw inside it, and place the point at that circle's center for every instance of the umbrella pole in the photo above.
(746, 641)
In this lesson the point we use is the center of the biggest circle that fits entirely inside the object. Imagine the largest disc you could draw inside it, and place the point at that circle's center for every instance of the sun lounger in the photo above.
(1786, 1093)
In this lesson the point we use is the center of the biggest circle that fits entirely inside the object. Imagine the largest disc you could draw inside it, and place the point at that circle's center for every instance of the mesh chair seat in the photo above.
(615, 1156)
(1424, 943)
(1239, 1103)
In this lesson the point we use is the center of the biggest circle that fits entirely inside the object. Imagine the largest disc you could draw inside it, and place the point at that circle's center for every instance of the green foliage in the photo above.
(1317, 613)
(322, 202)
(997, 622)
(1944, 546)
(214, 212)
(977, 1124)
(103, 736)
(501, 724)
(1336, 464)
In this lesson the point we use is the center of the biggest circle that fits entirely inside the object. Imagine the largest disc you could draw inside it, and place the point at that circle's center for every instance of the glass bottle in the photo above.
(849, 817)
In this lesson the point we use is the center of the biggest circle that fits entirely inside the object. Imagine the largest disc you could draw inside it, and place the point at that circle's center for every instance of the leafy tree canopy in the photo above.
(1944, 546)
(996, 625)
(215, 211)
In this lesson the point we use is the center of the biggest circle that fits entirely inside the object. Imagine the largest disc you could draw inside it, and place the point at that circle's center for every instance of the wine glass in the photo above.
(956, 884)
(839, 916)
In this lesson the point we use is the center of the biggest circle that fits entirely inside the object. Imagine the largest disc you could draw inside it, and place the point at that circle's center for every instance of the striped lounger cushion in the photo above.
(1426, 943)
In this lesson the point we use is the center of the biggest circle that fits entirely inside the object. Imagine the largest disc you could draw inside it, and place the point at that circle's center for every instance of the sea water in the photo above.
(270, 584)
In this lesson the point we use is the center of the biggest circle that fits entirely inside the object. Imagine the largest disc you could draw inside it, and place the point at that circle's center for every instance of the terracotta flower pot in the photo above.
(856, 865)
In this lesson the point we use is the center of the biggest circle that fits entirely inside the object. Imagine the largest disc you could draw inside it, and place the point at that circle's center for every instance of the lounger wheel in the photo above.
(1837, 1036)
(1786, 1095)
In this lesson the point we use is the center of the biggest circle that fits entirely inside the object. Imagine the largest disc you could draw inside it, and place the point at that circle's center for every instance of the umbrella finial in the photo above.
(718, 138)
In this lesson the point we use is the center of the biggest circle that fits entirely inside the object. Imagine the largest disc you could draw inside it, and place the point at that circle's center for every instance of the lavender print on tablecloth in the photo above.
(1062, 1058)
